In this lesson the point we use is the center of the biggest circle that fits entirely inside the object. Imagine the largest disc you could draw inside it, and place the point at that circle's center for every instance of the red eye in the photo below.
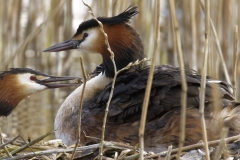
(85, 35)
(33, 78)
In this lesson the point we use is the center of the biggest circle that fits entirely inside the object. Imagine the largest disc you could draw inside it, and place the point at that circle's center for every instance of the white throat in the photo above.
(71, 104)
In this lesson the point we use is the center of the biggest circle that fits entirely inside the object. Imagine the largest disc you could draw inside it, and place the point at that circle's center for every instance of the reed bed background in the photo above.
(29, 26)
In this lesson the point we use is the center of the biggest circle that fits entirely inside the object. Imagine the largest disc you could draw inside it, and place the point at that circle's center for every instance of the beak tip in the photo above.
(67, 45)
(51, 50)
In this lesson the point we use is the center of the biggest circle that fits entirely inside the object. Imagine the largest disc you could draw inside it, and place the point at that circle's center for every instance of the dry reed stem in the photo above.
(197, 146)
(194, 36)
(149, 86)
(202, 101)
(203, 81)
(53, 151)
(215, 102)
(221, 145)
(235, 64)
(226, 74)
(4, 146)
(10, 141)
(114, 7)
(29, 140)
(183, 78)
(80, 107)
(132, 157)
(31, 36)
(174, 43)
(115, 155)
(169, 151)
(207, 16)
(29, 144)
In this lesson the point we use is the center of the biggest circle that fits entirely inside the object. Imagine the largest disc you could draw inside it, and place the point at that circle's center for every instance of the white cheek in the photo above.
(34, 87)
(29, 86)
(88, 44)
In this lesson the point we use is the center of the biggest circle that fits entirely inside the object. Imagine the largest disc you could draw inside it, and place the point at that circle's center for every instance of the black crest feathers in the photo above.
(19, 71)
(123, 17)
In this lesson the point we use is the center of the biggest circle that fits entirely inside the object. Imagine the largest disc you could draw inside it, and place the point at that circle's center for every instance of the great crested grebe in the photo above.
(18, 83)
(163, 118)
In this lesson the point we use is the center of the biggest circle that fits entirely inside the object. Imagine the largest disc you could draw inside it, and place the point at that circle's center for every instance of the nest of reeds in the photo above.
(17, 148)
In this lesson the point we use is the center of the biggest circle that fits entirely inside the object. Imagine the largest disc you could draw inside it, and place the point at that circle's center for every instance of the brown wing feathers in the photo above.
(165, 94)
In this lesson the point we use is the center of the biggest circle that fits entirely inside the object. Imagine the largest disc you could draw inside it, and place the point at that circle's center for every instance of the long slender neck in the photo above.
(10, 94)
(8, 102)
(127, 46)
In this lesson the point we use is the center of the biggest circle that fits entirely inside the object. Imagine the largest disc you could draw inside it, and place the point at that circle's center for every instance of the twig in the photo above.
(137, 62)
(10, 141)
(183, 78)
(90, 136)
(80, 107)
(29, 144)
(235, 53)
(26, 143)
(114, 78)
(196, 146)
(149, 86)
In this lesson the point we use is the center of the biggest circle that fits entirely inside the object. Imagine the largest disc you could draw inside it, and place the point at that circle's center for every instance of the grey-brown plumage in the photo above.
(165, 94)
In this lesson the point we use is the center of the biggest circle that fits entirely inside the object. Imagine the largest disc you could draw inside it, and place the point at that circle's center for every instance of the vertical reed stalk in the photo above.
(235, 64)
(203, 79)
(80, 107)
(226, 74)
(149, 84)
(183, 78)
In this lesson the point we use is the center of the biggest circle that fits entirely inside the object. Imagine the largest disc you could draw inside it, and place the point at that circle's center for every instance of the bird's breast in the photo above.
(67, 116)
